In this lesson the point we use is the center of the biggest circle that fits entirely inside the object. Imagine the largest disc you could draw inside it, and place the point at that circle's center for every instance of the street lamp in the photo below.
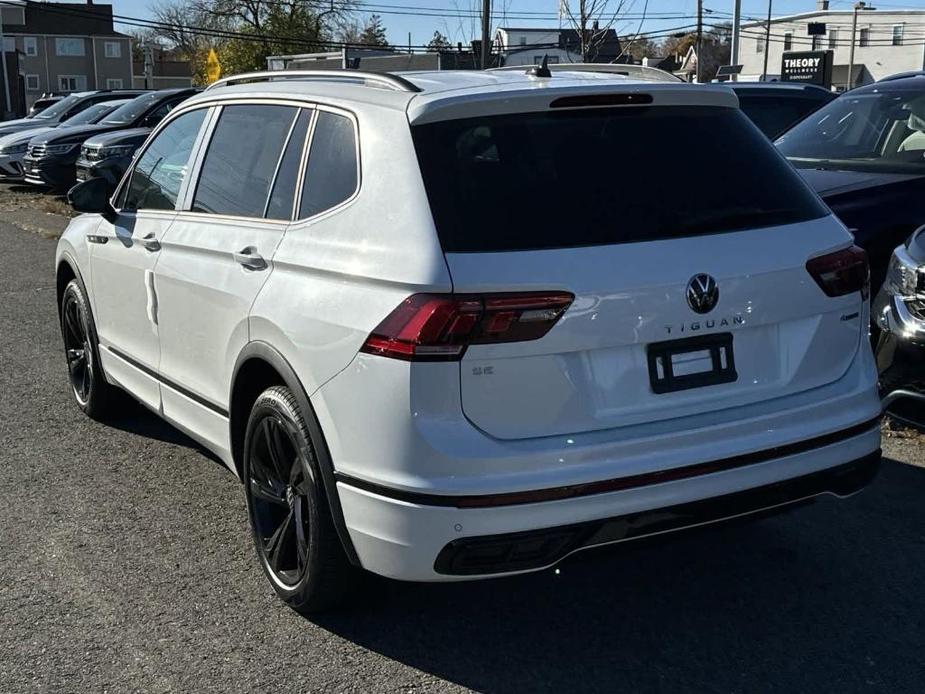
(858, 6)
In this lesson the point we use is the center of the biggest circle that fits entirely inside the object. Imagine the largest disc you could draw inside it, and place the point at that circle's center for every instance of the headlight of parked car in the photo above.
(116, 151)
(15, 149)
(60, 149)
(902, 277)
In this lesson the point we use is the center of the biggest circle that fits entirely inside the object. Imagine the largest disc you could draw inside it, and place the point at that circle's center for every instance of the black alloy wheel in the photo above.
(279, 500)
(94, 395)
(294, 534)
(78, 349)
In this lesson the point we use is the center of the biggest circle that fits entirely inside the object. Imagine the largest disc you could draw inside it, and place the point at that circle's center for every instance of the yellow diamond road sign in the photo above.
(213, 67)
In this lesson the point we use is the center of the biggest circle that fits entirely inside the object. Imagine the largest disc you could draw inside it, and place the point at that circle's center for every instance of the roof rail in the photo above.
(902, 75)
(625, 69)
(385, 79)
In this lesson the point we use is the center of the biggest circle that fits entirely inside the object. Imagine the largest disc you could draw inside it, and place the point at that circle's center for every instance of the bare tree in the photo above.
(592, 20)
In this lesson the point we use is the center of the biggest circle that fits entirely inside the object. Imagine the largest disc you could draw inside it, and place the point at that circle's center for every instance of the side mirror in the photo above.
(93, 195)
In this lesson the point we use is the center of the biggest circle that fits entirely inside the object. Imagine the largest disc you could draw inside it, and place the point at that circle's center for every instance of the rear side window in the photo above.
(159, 173)
(604, 176)
(332, 172)
(243, 154)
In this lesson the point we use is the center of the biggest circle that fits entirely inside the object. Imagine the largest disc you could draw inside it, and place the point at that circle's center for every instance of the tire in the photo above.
(294, 535)
(92, 393)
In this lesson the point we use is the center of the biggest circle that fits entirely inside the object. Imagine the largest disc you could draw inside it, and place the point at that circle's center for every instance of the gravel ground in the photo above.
(126, 566)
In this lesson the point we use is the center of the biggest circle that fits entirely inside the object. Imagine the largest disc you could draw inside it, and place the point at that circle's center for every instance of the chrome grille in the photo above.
(91, 153)
(37, 150)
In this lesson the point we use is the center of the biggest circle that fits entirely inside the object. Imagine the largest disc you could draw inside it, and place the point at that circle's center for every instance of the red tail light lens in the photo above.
(439, 327)
(842, 272)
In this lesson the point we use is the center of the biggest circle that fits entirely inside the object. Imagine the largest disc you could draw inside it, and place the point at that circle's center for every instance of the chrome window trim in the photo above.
(279, 163)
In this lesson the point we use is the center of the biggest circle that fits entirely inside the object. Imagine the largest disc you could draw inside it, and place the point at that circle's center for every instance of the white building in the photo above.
(529, 46)
(887, 41)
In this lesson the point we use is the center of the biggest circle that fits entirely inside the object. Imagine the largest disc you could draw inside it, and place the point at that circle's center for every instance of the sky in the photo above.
(458, 19)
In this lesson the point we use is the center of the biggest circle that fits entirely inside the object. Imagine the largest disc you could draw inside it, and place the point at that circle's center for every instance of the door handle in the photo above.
(250, 258)
(151, 243)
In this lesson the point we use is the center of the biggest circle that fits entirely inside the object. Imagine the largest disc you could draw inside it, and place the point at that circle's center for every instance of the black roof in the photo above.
(906, 82)
(778, 87)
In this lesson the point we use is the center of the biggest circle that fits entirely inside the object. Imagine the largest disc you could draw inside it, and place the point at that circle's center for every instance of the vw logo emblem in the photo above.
(702, 293)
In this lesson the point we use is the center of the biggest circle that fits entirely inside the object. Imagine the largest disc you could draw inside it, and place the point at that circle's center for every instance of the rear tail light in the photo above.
(842, 272)
(439, 327)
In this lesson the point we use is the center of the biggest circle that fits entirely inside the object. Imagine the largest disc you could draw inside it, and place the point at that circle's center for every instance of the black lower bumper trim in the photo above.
(535, 549)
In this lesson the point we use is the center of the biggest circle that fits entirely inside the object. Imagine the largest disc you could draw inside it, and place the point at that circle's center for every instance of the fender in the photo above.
(270, 355)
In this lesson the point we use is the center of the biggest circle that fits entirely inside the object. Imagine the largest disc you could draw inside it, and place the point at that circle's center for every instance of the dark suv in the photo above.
(69, 106)
(776, 106)
(864, 153)
(52, 156)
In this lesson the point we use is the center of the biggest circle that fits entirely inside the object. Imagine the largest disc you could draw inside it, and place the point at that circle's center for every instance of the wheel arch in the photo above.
(65, 271)
(259, 366)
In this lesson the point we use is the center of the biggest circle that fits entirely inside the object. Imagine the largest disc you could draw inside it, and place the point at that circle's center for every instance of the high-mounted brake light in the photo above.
(842, 272)
(439, 327)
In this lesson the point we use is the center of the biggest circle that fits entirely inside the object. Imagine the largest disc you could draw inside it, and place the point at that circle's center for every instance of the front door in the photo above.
(124, 254)
(218, 255)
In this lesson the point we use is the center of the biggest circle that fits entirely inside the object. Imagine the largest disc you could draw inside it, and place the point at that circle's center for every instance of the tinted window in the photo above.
(92, 114)
(283, 195)
(881, 130)
(61, 107)
(130, 112)
(241, 160)
(603, 176)
(331, 176)
(159, 173)
(774, 114)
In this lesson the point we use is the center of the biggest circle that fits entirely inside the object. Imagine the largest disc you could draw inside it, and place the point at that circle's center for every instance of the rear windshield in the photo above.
(604, 176)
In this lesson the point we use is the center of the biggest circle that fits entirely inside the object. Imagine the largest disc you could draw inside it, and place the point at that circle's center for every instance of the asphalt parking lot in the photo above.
(126, 565)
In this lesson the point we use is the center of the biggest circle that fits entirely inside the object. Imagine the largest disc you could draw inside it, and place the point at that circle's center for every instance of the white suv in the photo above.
(463, 324)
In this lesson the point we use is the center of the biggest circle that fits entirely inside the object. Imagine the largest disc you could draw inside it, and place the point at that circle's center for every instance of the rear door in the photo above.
(218, 256)
(684, 238)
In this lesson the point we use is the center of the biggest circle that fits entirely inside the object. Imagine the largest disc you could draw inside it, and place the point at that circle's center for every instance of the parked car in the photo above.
(13, 147)
(864, 153)
(776, 106)
(109, 155)
(433, 351)
(899, 312)
(42, 103)
(52, 157)
(65, 108)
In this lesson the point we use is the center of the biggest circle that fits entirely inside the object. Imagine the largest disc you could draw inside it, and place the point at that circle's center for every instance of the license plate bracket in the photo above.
(691, 362)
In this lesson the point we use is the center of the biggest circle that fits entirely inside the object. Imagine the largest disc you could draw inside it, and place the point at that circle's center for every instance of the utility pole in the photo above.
(6, 75)
(854, 30)
(486, 30)
(148, 49)
(699, 38)
(734, 50)
(767, 44)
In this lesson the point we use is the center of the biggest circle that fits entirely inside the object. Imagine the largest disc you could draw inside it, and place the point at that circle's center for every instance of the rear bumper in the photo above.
(397, 537)
(539, 548)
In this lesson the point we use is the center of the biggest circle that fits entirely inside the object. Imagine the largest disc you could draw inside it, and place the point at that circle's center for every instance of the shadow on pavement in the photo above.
(826, 597)
(134, 418)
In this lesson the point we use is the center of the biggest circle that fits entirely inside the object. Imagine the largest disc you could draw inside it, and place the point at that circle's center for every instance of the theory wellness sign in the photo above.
(814, 67)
